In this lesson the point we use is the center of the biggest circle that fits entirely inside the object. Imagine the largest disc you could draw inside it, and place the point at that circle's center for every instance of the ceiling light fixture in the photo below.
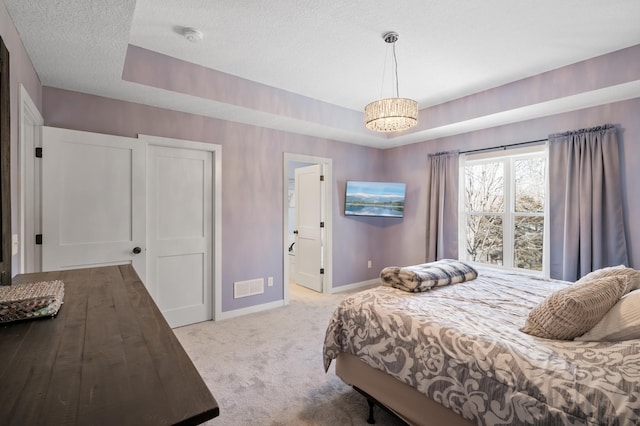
(193, 35)
(391, 114)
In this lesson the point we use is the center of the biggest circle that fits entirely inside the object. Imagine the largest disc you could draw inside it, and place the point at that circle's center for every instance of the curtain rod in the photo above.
(504, 146)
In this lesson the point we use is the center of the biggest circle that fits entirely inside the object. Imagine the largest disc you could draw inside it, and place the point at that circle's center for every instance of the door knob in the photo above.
(137, 250)
(295, 232)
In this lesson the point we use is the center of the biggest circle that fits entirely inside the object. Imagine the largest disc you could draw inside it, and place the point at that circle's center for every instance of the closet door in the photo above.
(180, 223)
(93, 200)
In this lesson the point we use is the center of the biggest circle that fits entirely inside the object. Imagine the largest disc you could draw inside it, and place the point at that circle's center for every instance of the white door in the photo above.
(309, 232)
(93, 200)
(180, 233)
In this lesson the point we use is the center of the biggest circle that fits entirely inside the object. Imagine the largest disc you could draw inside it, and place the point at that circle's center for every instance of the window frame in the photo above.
(508, 157)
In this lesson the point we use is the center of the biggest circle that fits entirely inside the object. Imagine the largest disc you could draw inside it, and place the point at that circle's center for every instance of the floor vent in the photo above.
(248, 288)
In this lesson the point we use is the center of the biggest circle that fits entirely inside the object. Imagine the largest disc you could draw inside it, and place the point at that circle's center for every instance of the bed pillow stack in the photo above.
(577, 309)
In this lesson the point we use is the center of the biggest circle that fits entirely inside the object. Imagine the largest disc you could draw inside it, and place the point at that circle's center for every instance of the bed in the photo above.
(455, 355)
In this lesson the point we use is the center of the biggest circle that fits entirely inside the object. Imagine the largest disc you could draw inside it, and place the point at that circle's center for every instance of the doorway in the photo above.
(29, 212)
(291, 163)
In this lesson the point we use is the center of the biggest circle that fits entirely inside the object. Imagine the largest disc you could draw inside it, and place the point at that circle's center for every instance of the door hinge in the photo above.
(321, 178)
(38, 239)
(38, 152)
(321, 224)
(321, 270)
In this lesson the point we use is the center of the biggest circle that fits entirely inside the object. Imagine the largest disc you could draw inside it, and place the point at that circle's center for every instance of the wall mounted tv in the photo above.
(374, 199)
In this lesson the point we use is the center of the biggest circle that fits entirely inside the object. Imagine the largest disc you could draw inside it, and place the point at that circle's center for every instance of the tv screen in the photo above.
(374, 199)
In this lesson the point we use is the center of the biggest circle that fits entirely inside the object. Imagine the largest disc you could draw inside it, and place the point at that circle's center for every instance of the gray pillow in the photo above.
(574, 310)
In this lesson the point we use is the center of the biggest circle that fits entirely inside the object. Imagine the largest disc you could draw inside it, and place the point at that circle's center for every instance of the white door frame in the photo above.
(29, 207)
(216, 151)
(327, 248)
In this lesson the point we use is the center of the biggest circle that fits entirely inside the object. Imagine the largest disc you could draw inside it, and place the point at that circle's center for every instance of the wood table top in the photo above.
(108, 357)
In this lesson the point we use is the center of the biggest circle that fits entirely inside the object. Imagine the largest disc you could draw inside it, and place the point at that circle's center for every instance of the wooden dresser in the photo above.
(107, 358)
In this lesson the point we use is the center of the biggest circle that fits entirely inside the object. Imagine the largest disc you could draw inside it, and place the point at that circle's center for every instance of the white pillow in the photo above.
(633, 275)
(622, 322)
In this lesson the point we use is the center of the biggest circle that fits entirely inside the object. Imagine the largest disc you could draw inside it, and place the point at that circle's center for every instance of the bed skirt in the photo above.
(406, 402)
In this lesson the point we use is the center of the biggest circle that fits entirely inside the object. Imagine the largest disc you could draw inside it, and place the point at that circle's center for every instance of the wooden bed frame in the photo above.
(401, 399)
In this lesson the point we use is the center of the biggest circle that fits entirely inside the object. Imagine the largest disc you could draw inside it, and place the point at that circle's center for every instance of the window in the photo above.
(503, 208)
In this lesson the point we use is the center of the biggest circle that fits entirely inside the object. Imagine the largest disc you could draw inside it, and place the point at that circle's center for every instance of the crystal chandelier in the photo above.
(391, 114)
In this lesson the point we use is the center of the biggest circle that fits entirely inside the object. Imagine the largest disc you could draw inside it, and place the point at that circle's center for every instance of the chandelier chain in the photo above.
(384, 71)
(395, 62)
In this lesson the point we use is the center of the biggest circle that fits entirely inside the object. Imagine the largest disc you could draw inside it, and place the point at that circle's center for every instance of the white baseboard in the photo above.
(354, 286)
(249, 310)
(279, 303)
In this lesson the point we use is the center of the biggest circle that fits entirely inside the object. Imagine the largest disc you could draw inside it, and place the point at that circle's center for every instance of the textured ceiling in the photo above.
(329, 50)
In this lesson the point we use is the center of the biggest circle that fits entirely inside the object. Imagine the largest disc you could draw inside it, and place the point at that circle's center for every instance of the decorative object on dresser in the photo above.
(30, 300)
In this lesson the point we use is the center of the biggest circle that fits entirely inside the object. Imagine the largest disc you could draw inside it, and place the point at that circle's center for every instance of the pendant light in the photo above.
(391, 114)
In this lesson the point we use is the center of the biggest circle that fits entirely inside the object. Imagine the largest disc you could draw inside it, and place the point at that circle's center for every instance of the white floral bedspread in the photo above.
(460, 345)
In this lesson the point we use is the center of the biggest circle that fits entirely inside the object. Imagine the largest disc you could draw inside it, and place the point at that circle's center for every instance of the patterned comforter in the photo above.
(460, 345)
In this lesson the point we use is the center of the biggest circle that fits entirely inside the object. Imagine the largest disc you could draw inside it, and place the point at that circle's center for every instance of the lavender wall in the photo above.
(406, 243)
(252, 167)
(615, 68)
(21, 72)
(165, 72)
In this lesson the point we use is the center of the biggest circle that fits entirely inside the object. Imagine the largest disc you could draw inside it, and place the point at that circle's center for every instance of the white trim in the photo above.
(29, 210)
(217, 211)
(179, 143)
(250, 310)
(355, 286)
(462, 226)
(327, 214)
(546, 239)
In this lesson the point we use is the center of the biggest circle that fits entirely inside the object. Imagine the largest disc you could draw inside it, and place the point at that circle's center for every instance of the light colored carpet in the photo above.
(266, 368)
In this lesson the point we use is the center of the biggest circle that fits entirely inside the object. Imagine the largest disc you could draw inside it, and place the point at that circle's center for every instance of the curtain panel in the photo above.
(586, 217)
(442, 206)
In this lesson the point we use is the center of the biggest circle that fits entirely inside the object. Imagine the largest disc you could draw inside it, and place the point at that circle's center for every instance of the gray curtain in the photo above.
(587, 225)
(442, 206)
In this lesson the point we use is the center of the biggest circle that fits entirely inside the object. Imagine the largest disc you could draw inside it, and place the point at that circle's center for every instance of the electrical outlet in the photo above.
(369, 264)
(15, 245)
(270, 282)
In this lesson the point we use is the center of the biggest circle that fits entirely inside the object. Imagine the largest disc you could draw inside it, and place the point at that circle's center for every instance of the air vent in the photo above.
(248, 288)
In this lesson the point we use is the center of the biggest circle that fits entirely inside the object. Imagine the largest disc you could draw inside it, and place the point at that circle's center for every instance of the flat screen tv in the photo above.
(374, 199)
